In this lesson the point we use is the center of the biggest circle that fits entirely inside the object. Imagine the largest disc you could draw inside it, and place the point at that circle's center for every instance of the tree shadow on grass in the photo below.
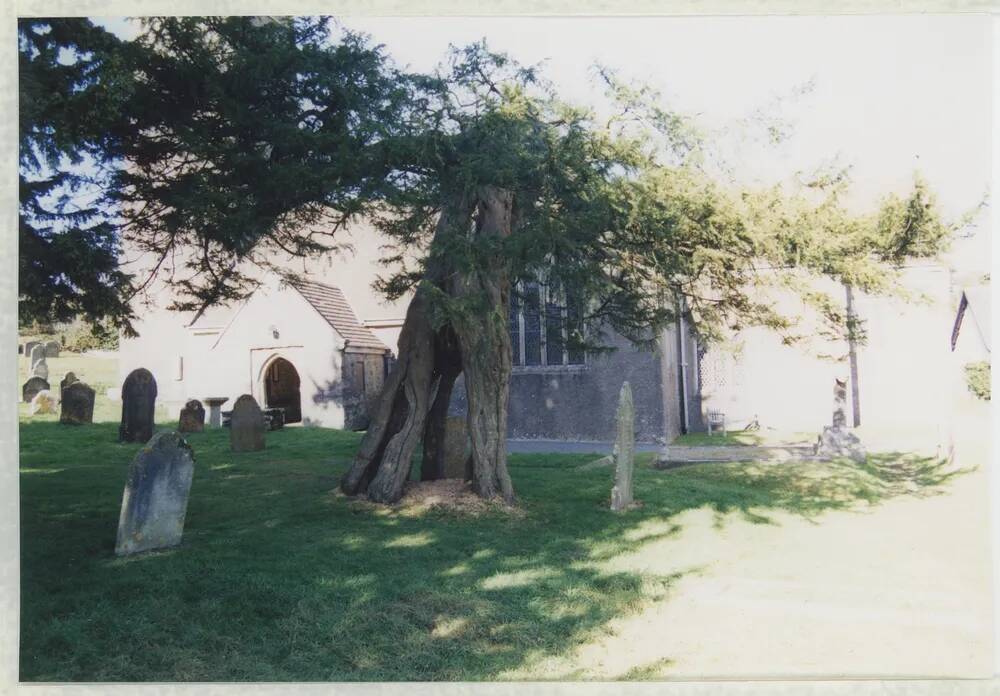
(280, 579)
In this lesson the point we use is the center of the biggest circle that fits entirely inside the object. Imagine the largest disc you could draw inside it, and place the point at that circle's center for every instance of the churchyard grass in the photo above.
(281, 578)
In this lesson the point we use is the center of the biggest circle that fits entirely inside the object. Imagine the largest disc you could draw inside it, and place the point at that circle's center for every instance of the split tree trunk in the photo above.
(413, 403)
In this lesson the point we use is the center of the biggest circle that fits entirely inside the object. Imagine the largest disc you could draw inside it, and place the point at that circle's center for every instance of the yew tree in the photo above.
(245, 139)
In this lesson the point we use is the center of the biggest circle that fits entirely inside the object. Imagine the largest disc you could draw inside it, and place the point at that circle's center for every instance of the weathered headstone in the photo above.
(621, 494)
(40, 369)
(52, 349)
(68, 379)
(37, 353)
(156, 495)
(246, 427)
(192, 418)
(28, 347)
(138, 405)
(456, 448)
(43, 402)
(77, 404)
(837, 440)
(32, 387)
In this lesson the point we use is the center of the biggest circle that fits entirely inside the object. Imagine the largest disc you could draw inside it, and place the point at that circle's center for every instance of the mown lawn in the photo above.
(280, 578)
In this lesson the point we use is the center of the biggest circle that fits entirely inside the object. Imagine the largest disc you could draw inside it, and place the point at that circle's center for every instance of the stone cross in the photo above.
(77, 406)
(621, 494)
(138, 406)
(32, 387)
(155, 499)
(43, 402)
(192, 419)
(246, 425)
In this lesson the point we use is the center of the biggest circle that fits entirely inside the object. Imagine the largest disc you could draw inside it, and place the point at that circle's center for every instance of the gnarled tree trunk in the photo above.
(413, 403)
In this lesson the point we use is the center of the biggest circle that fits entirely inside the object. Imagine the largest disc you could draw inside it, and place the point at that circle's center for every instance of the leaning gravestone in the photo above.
(77, 404)
(68, 379)
(138, 405)
(621, 494)
(40, 369)
(246, 425)
(37, 354)
(32, 387)
(837, 440)
(43, 402)
(456, 454)
(192, 419)
(156, 495)
(52, 349)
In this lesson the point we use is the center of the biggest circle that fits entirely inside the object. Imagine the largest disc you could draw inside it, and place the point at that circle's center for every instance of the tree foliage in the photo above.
(70, 94)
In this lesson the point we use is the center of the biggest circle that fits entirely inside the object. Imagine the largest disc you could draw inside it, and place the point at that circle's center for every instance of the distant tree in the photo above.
(69, 97)
(253, 137)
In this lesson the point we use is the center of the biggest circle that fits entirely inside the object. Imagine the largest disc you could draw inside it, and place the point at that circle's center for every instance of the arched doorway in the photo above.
(281, 389)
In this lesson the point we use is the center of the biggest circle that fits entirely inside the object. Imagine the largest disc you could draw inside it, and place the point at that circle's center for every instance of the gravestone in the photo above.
(155, 499)
(624, 454)
(37, 353)
(837, 440)
(215, 410)
(52, 349)
(32, 387)
(28, 347)
(138, 405)
(77, 406)
(40, 369)
(43, 402)
(192, 418)
(68, 379)
(246, 425)
(456, 449)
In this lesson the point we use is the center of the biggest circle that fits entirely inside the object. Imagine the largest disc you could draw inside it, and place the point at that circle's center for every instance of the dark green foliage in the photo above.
(977, 376)
(70, 91)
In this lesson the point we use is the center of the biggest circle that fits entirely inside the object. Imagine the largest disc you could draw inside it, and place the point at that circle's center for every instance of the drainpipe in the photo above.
(682, 372)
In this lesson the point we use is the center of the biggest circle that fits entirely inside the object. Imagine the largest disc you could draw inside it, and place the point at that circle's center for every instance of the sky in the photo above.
(890, 95)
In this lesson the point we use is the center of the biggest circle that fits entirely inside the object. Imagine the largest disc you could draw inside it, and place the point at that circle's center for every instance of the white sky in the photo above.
(893, 94)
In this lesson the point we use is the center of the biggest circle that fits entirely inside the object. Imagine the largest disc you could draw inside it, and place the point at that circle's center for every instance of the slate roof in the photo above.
(331, 304)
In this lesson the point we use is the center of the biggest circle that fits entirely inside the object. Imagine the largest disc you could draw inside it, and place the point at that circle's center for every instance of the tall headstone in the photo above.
(37, 353)
(77, 406)
(456, 448)
(155, 499)
(68, 379)
(837, 440)
(192, 419)
(621, 494)
(32, 387)
(43, 402)
(246, 425)
(138, 405)
(52, 349)
(40, 369)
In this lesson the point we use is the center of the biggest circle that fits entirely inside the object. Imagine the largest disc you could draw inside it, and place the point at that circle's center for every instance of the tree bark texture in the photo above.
(413, 404)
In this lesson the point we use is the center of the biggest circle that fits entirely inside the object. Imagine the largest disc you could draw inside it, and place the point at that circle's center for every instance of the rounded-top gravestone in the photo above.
(246, 425)
(138, 405)
(155, 499)
(32, 387)
(77, 404)
(52, 349)
(40, 369)
(68, 379)
(192, 419)
(28, 347)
